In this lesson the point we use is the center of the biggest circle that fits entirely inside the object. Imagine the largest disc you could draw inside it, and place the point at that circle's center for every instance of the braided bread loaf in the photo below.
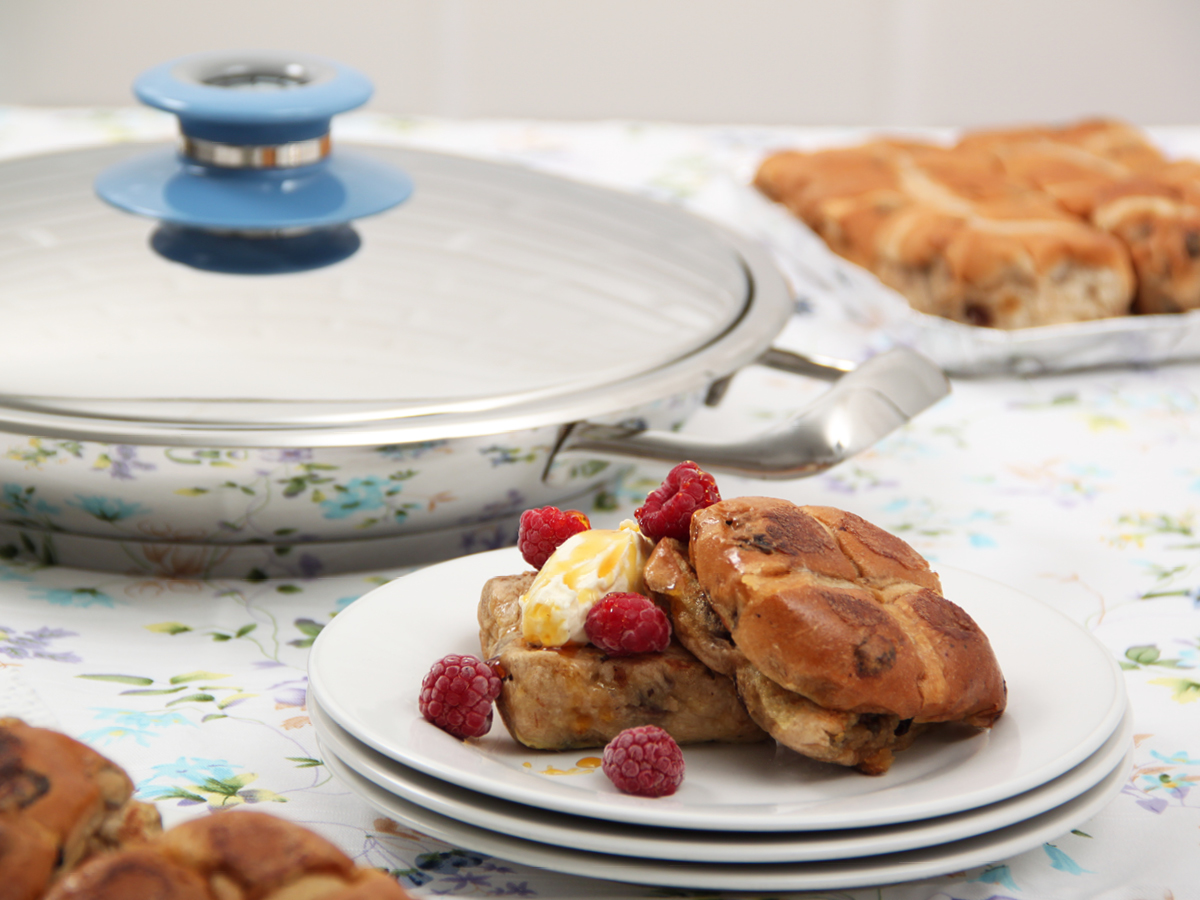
(836, 631)
(231, 855)
(61, 803)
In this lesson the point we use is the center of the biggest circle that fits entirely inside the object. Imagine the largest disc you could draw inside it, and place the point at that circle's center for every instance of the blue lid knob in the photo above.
(255, 153)
(252, 97)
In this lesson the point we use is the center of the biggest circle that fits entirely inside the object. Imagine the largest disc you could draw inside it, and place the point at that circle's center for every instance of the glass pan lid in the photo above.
(491, 287)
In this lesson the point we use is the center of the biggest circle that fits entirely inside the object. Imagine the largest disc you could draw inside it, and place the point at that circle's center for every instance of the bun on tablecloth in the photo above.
(230, 855)
(836, 632)
(61, 803)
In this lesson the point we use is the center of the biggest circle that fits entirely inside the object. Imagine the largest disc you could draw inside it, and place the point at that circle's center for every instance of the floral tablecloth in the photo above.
(1080, 489)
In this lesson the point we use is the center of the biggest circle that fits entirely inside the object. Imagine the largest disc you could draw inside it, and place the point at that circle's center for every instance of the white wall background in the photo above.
(801, 62)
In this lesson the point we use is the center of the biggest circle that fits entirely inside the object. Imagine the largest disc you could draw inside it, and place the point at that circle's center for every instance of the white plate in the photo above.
(582, 833)
(825, 875)
(1066, 696)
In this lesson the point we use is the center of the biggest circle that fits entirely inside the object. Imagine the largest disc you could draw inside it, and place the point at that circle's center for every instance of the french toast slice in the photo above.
(577, 697)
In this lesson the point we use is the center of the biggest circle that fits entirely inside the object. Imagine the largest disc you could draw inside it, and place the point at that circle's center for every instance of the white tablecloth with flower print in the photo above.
(1080, 489)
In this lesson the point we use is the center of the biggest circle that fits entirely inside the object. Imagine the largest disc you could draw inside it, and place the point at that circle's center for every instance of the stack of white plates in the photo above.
(746, 816)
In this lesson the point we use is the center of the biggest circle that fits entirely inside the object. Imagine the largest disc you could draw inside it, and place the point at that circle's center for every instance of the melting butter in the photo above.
(584, 568)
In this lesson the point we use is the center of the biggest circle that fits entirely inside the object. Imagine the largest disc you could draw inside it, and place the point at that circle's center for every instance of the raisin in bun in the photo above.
(61, 803)
(230, 855)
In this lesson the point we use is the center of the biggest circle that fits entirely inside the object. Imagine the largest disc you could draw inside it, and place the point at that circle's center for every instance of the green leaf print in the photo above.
(177, 793)
(197, 676)
(304, 762)
(307, 627)
(193, 698)
(168, 627)
(1147, 655)
(1143, 654)
(119, 679)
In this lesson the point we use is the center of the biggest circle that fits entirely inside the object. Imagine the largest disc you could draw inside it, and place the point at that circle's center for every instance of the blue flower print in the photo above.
(108, 509)
(359, 495)
(1000, 874)
(130, 723)
(206, 781)
(77, 597)
(1061, 861)
(17, 499)
(449, 860)
(186, 769)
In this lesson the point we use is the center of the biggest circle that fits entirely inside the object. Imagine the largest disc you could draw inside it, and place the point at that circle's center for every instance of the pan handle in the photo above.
(864, 404)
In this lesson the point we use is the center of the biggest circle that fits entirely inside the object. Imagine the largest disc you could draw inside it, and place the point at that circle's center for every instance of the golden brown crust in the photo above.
(65, 798)
(579, 697)
(974, 232)
(28, 856)
(865, 741)
(139, 872)
(1108, 174)
(231, 855)
(672, 582)
(848, 615)
(1157, 215)
(257, 852)
(1072, 151)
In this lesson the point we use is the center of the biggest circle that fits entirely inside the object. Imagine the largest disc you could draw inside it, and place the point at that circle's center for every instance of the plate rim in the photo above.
(648, 843)
(628, 809)
(835, 874)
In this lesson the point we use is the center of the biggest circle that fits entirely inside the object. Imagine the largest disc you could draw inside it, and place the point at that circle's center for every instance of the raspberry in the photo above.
(645, 761)
(542, 530)
(667, 512)
(625, 624)
(457, 695)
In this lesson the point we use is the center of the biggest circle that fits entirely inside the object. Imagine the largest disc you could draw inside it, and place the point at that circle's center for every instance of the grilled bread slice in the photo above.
(578, 696)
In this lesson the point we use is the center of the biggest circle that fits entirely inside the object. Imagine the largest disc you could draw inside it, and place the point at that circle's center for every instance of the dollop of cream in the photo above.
(584, 568)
